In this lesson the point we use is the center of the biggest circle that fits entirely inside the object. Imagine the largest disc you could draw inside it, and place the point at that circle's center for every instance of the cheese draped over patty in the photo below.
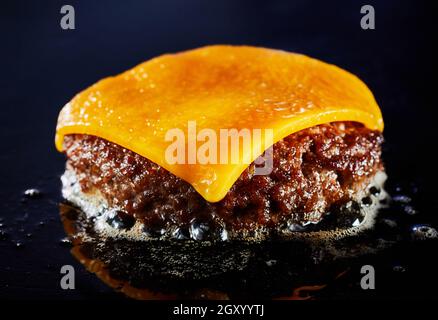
(217, 87)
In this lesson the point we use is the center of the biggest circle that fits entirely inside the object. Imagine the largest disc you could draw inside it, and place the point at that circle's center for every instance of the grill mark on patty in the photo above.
(314, 169)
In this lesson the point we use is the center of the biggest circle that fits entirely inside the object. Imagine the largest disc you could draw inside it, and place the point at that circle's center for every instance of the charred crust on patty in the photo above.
(315, 170)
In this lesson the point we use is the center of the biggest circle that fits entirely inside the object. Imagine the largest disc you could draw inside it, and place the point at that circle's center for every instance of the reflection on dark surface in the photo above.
(288, 269)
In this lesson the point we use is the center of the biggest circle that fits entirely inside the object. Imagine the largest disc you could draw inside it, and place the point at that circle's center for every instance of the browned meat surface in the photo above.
(314, 169)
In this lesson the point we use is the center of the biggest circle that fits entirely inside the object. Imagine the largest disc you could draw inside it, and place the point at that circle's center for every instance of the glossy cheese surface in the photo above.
(219, 87)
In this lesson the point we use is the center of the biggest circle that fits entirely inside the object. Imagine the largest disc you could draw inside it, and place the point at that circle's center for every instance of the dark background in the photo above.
(43, 66)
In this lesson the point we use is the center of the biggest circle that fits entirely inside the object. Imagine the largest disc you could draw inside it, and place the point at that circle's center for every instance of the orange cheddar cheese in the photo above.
(218, 87)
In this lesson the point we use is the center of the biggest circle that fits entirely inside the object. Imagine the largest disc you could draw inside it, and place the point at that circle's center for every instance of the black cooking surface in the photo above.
(43, 66)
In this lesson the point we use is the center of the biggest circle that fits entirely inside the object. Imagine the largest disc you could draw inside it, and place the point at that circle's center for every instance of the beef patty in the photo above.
(314, 170)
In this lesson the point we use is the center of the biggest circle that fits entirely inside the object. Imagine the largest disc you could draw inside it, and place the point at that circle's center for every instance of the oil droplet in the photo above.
(409, 210)
(19, 245)
(374, 191)
(389, 223)
(224, 234)
(367, 201)
(399, 268)
(121, 220)
(401, 199)
(199, 230)
(271, 263)
(423, 232)
(32, 193)
(153, 231)
(65, 242)
(3, 235)
(181, 233)
(294, 227)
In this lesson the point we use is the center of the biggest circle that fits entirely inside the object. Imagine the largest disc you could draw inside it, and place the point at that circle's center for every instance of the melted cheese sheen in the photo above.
(219, 87)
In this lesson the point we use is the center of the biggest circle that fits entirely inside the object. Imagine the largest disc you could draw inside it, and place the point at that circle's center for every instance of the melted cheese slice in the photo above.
(219, 87)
